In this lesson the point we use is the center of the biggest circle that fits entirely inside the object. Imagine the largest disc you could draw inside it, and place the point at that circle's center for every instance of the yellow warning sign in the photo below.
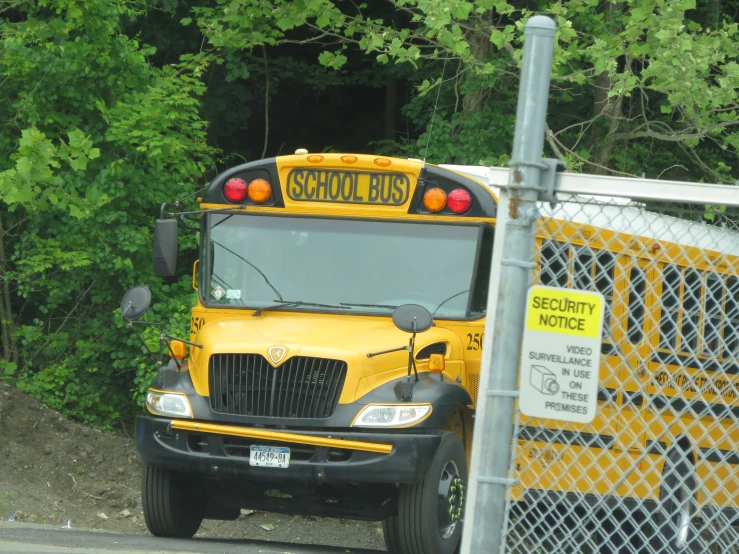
(565, 311)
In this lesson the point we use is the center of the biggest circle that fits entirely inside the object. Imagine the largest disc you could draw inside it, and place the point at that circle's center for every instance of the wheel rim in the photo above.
(450, 499)
(682, 516)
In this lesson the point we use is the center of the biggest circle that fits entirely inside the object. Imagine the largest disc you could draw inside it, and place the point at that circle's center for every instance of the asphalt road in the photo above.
(24, 538)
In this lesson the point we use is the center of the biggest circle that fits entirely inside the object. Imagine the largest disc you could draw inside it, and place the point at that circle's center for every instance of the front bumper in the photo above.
(218, 453)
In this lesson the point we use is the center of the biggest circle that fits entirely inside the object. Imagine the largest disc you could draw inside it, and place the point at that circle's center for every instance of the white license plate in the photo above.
(269, 456)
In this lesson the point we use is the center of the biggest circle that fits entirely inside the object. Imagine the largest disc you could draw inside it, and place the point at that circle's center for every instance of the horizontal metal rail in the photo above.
(617, 187)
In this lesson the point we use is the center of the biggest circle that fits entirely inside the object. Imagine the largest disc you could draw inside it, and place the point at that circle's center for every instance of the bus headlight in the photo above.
(389, 415)
(168, 403)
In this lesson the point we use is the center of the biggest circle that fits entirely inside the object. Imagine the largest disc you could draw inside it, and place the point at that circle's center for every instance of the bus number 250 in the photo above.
(474, 341)
(196, 323)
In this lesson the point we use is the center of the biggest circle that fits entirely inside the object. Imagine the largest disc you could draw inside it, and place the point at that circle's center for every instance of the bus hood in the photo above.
(349, 339)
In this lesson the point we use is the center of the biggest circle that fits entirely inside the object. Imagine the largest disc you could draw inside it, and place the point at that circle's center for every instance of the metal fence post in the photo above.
(491, 451)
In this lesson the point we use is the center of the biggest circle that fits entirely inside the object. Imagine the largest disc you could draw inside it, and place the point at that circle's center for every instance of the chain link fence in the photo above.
(657, 470)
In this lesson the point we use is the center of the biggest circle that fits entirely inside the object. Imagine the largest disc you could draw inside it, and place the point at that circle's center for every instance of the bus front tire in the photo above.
(429, 519)
(677, 518)
(171, 509)
(391, 533)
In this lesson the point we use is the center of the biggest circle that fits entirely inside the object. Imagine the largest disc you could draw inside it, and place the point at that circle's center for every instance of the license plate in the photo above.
(269, 456)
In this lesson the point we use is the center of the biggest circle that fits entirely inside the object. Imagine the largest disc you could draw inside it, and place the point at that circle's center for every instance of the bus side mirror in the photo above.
(412, 318)
(135, 303)
(165, 247)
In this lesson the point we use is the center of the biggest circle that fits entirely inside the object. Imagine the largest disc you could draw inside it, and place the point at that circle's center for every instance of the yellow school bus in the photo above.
(664, 439)
(336, 343)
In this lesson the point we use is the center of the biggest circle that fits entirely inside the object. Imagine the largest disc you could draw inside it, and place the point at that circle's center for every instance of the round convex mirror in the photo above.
(135, 303)
(412, 318)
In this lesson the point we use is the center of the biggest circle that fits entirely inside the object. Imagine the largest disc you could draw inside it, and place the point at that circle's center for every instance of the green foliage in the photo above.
(7, 368)
(105, 138)
(96, 380)
(161, 122)
(35, 181)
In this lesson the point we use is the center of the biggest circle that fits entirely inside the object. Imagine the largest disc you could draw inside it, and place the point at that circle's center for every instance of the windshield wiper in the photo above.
(250, 265)
(452, 297)
(368, 305)
(291, 303)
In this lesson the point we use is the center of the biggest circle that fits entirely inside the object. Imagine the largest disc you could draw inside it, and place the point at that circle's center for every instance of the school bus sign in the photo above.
(561, 354)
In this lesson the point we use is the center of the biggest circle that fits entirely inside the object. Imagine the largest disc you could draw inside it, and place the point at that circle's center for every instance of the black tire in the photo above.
(424, 524)
(172, 508)
(391, 533)
(678, 506)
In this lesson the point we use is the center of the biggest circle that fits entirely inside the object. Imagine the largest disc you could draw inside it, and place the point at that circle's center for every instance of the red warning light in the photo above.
(235, 190)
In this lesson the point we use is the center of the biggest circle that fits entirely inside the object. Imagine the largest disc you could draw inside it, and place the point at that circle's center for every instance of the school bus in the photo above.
(336, 344)
(666, 426)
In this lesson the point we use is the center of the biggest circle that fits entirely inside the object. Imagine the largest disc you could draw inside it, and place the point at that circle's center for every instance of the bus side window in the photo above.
(670, 306)
(713, 315)
(554, 262)
(731, 323)
(637, 289)
(691, 311)
(583, 260)
(605, 262)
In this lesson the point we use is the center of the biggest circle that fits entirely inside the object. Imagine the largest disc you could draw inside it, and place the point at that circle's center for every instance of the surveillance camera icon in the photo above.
(543, 380)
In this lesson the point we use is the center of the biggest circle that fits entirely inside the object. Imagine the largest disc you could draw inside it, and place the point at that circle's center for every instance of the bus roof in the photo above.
(631, 218)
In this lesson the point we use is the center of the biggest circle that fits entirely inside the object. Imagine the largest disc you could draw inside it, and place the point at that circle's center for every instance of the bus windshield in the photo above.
(367, 267)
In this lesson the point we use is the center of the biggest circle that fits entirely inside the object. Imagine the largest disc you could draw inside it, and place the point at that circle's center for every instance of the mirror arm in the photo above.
(162, 339)
(162, 210)
(407, 392)
(181, 223)
(162, 342)
(130, 324)
(180, 217)
(163, 207)
(183, 340)
(411, 355)
(373, 354)
(144, 323)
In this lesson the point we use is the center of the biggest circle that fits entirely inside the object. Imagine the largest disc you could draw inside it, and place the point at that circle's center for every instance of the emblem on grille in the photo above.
(276, 354)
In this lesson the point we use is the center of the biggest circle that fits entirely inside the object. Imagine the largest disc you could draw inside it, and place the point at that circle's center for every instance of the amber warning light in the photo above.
(178, 349)
(259, 191)
(434, 200)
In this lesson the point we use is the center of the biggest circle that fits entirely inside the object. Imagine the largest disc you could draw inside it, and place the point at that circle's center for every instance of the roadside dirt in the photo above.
(57, 471)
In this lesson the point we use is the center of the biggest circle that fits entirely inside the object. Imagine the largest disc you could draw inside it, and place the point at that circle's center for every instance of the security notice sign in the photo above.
(561, 354)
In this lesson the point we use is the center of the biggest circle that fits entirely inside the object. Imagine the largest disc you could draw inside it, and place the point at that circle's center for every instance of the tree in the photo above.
(98, 139)
(657, 78)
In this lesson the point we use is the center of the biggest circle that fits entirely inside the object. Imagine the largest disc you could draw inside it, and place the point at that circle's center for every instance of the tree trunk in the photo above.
(610, 109)
(606, 110)
(480, 48)
(10, 352)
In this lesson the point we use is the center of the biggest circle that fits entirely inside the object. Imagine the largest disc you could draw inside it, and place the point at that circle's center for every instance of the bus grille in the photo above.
(302, 387)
